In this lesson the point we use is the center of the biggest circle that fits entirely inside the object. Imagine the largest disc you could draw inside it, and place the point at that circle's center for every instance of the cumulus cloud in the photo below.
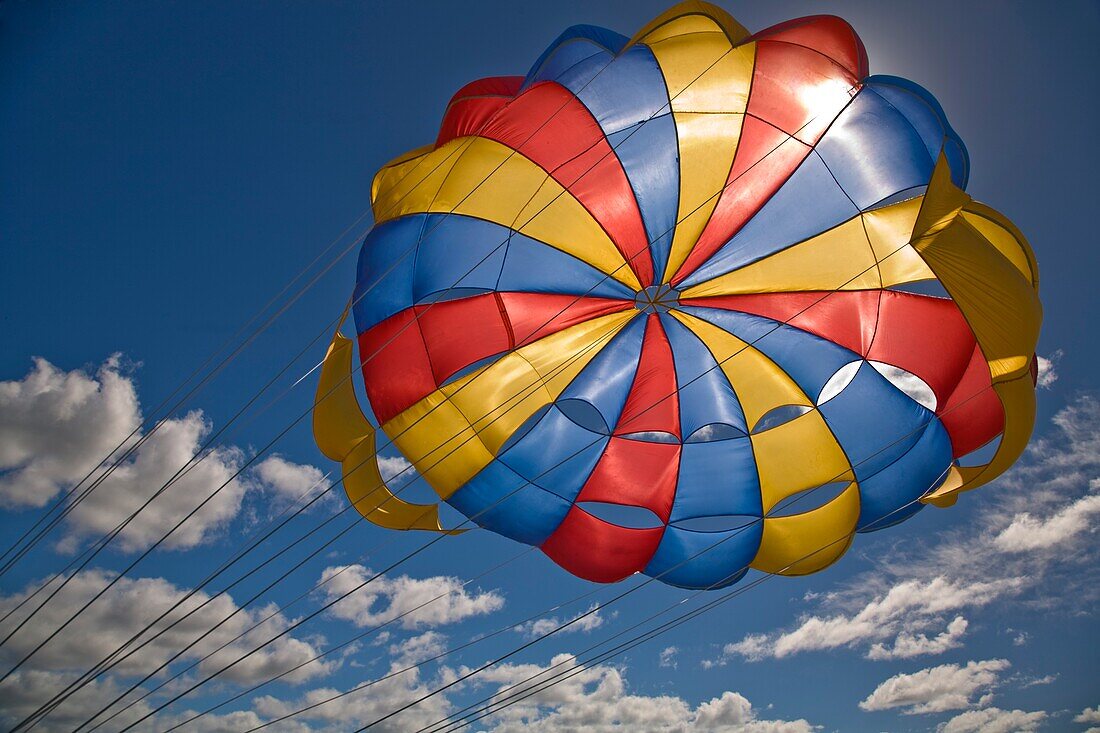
(386, 598)
(416, 649)
(56, 427)
(543, 626)
(597, 700)
(936, 689)
(290, 483)
(130, 605)
(1088, 715)
(1032, 532)
(908, 645)
(328, 710)
(994, 720)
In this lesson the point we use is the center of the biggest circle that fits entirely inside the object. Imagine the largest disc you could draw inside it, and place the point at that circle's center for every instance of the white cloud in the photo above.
(667, 657)
(57, 426)
(417, 649)
(1032, 532)
(597, 700)
(1088, 715)
(1048, 373)
(994, 720)
(395, 466)
(543, 626)
(444, 598)
(362, 706)
(908, 645)
(130, 605)
(936, 689)
(290, 483)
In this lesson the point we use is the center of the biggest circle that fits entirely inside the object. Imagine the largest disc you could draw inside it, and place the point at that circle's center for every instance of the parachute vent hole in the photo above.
(470, 369)
(585, 414)
(912, 385)
(982, 455)
(931, 287)
(723, 523)
(622, 515)
(778, 416)
(809, 499)
(652, 436)
(714, 432)
(440, 296)
(839, 381)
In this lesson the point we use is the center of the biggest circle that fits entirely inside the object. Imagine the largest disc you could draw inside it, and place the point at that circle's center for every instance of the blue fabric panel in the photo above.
(386, 266)
(502, 501)
(706, 396)
(650, 156)
(883, 496)
(874, 422)
(531, 266)
(691, 559)
(916, 102)
(606, 380)
(556, 440)
(574, 45)
(809, 203)
(808, 359)
(873, 151)
(459, 252)
(717, 479)
(629, 99)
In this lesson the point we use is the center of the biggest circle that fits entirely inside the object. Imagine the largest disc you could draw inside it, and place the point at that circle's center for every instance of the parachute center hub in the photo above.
(657, 298)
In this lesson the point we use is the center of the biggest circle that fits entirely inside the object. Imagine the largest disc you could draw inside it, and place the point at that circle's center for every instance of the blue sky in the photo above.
(168, 167)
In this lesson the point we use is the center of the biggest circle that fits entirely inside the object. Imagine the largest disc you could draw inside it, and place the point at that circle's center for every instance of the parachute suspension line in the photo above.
(723, 188)
(331, 325)
(239, 332)
(668, 104)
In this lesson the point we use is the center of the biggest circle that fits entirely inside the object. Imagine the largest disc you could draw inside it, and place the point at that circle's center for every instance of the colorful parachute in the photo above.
(679, 273)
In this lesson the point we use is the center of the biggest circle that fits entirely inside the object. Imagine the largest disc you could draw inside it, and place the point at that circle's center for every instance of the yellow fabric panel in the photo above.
(1006, 242)
(437, 439)
(708, 84)
(838, 259)
(396, 170)
(691, 17)
(760, 385)
(805, 543)
(344, 434)
(491, 181)
(889, 230)
(453, 433)
(798, 455)
(707, 146)
(999, 302)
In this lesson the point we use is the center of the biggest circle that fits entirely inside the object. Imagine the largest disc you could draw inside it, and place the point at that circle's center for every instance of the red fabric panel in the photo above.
(787, 84)
(766, 157)
(828, 34)
(926, 336)
(474, 104)
(549, 125)
(635, 473)
(847, 318)
(396, 369)
(653, 403)
(595, 550)
(536, 315)
(973, 415)
(461, 332)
